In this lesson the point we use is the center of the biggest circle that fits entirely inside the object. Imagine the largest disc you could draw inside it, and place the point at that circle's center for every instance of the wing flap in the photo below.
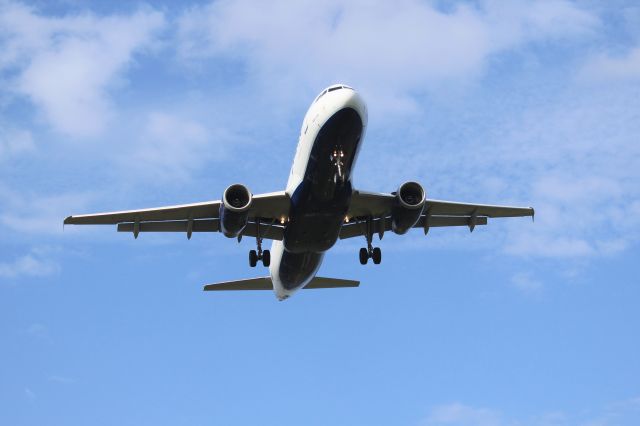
(274, 232)
(359, 229)
(203, 225)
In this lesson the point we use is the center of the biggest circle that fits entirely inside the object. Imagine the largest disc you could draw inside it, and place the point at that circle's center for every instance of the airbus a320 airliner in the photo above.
(318, 206)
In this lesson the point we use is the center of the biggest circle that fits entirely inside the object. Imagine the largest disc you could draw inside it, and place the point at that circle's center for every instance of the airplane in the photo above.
(318, 206)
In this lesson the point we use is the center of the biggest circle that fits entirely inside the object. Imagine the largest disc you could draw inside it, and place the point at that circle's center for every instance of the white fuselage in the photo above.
(327, 104)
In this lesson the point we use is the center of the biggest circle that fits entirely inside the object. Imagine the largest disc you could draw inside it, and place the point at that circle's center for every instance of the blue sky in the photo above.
(107, 106)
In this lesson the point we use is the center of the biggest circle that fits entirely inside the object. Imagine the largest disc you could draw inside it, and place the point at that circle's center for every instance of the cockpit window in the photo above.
(320, 95)
(331, 89)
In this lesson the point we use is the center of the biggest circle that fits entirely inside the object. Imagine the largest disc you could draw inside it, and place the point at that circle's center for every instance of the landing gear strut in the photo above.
(254, 255)
(370, 252)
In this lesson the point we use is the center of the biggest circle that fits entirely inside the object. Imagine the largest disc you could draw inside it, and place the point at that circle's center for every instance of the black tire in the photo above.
(266, 258)
(253, 258)
(376, 255)
(364, 256)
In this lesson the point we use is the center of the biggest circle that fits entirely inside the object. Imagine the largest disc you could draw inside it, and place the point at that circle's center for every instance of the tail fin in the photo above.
(264, 283)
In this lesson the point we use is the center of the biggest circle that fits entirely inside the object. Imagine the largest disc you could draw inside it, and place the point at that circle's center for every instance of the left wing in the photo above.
(197, 217)
(377, 208)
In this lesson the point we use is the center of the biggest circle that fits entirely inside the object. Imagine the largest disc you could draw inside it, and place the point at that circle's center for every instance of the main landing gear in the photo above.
(370, 252)
(254, 256)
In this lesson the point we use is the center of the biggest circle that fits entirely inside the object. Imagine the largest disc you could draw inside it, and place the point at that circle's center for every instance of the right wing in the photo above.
(196, 217)
(377, 207)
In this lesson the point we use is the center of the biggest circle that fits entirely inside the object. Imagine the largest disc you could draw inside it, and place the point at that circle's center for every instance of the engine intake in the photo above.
(410, 200)
(234, 210)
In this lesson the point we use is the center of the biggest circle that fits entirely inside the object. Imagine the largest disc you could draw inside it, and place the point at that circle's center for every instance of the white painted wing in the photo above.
(437, 213)
(268, 208)
(375, 204)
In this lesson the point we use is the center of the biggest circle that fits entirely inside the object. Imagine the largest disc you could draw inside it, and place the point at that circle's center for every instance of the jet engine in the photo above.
(234, 210)
(410, 200)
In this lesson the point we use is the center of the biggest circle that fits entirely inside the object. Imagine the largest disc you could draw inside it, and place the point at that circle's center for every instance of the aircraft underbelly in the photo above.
(318, 204)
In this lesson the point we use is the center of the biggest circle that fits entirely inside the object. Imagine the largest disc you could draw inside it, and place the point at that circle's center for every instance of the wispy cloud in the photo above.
(67, 65)
(60, 379)
(418, 44)
(526, 283)
(171, 147)
(605, 66)
(33, 264)
(29, 394)
(460, 414)
(561, 154)
(28, 212)
(624, 412)
(14, 141)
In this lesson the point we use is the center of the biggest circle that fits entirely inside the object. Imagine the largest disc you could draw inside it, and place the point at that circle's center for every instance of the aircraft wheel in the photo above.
(266, 258)
(364, 256)
(253, 258)
(377, 255)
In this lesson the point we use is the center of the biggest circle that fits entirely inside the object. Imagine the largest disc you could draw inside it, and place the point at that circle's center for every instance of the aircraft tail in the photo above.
(264, 283)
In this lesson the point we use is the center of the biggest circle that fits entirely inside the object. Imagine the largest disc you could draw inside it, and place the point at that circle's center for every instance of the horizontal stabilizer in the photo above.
(264, 283)
(322, 282)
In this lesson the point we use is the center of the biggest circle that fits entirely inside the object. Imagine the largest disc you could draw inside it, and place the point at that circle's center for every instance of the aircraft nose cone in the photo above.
(354, 100)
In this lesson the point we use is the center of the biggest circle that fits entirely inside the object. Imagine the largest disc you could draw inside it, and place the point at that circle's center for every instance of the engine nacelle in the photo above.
(234, 210)
(410, 200)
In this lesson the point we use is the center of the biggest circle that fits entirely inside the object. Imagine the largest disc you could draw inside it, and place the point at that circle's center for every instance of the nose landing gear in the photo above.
(337, 159)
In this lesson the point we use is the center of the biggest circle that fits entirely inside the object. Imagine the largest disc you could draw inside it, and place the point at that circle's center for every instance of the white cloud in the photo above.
(39, 214)
(14, 141)
(462, 415)
(37, 330)
(67, 65)
(573, 157)
(31, 395)
(390, 49)
(527, 283)
(33, 264)
(625, 412)
(61, 379)
(172, 146)
(608, 67)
